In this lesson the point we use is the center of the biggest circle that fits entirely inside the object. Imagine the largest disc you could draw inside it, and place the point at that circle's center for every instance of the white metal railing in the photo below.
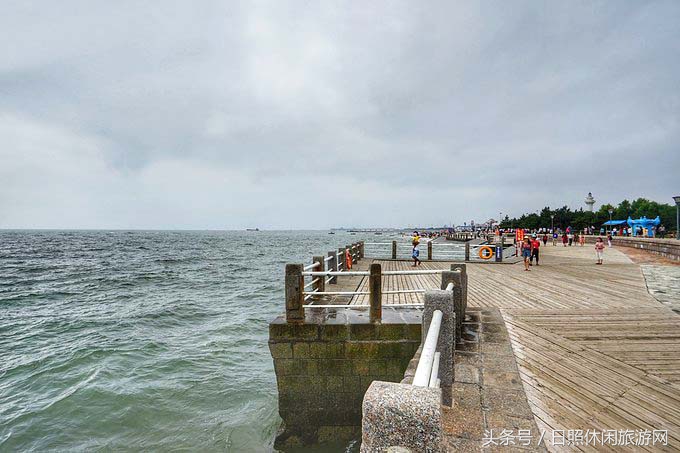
(424, 370)
(427, 372)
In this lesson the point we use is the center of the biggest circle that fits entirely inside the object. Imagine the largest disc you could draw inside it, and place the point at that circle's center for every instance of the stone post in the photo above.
(463, 271)
(441, 300)
(375, 288)
(456, 278)
(467, 251)
(401, 415)
(361, 250)
(321, 284)
(394, 250)
(429, 250)
(333, 267)
(295, 283)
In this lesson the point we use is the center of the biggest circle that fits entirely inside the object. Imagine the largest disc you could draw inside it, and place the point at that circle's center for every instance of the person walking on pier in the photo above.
(526, 252)
(545, 239)
(554, 238)
(565, 239)
(416, 252)
(535, 245)
(599, 250)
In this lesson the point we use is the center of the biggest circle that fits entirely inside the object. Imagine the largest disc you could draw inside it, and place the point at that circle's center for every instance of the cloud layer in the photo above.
(305, 115)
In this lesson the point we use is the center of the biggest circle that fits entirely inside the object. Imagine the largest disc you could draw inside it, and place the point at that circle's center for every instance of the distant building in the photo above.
(590, 201)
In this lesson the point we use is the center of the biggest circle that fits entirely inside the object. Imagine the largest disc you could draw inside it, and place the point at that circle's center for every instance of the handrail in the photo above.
(424, 369)
(312, 266)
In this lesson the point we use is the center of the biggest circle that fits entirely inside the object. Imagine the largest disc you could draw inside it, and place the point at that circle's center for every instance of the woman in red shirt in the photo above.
(535, 244)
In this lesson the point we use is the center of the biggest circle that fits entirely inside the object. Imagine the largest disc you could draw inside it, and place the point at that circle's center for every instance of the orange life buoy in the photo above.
(487, 249)
(348, 259)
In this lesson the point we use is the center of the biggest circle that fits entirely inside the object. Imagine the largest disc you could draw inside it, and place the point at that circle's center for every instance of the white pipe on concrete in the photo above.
(424, 369)
(362, 306)
(312, 266)
(434, 375)
(449, 287)
(339, 293)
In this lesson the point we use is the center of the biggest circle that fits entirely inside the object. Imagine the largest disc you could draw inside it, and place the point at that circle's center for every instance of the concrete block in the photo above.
(401, 415)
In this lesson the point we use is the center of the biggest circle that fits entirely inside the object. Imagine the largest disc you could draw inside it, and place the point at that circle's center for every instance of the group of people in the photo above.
(531, 245)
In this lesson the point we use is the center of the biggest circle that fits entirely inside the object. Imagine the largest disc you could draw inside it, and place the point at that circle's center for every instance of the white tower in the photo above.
(590, 201)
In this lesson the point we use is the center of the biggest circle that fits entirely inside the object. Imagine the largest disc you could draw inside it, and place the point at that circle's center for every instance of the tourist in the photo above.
(599, 250)
(570, 236)
(582, 240)
(526, 252)
(415, 241)
(554, 238)
(545, 239)
(535, 244)
(565, 239)
(609, 240)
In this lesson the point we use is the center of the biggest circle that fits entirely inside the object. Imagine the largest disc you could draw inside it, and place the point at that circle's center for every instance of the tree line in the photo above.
(580, 219)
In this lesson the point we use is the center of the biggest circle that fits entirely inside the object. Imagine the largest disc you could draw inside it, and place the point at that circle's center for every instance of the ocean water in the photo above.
(143, 340)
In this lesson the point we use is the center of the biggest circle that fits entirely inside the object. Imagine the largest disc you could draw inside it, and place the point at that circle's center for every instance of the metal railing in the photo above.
(427, 372)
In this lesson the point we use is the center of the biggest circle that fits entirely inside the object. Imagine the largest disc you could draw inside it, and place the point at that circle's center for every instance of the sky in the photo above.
(296, 115)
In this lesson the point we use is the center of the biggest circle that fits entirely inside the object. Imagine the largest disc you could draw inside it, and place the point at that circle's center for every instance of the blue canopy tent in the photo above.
(614, 222)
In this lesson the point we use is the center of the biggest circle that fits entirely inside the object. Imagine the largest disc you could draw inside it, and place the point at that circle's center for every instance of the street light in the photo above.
(552, 223)
(677, 213)
(611, 211)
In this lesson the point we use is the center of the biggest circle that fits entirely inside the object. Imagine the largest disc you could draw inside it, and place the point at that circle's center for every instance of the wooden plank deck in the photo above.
(406, 282)
(595, 350)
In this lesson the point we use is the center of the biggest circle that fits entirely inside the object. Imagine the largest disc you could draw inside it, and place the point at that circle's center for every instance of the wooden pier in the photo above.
(594, 350)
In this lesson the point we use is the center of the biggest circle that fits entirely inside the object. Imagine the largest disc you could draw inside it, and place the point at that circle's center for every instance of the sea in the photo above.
(144, 340)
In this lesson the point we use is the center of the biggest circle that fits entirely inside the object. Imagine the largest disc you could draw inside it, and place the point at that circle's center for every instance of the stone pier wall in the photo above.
(325, 364)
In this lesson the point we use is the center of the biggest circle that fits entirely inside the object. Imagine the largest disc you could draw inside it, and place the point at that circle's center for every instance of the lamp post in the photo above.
(552, 223)
(611, 211)
(677, 219)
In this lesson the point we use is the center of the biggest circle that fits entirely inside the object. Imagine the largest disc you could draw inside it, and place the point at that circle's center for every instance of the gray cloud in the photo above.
(296, 114)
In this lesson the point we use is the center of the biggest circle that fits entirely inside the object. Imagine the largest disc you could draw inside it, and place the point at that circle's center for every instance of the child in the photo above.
(526, 252)
(599, 250)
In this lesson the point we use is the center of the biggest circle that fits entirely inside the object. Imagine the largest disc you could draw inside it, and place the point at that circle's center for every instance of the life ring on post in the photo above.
(488, 254)
(348, 259)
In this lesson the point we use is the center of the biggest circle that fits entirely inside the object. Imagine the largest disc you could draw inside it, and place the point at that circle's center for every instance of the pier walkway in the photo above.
(594, 349)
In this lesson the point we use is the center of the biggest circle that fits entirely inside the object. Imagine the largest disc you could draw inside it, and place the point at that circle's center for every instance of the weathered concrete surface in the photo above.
(663, 283)
(401, 415)
(487, 391)
(325, 364)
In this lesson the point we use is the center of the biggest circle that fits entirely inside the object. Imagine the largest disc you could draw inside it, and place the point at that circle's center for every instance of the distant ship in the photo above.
(331, 232)
(252, 229)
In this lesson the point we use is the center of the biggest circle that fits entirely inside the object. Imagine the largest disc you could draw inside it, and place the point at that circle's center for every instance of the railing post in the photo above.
(429, 250)
(467, 251)
(361, 249)
(333, 266)
(394, 250)
(464, 276)
(321, 284)
(456, 278)
(375, 288)
(441, 300)
(295, 283)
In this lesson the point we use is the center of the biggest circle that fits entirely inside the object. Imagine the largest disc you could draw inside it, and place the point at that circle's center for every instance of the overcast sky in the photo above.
(219, 115)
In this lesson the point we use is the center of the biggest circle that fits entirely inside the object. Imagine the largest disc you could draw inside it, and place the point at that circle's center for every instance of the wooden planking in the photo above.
(566, 279)
(645, 338)
(403, 282)
(573, 387)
